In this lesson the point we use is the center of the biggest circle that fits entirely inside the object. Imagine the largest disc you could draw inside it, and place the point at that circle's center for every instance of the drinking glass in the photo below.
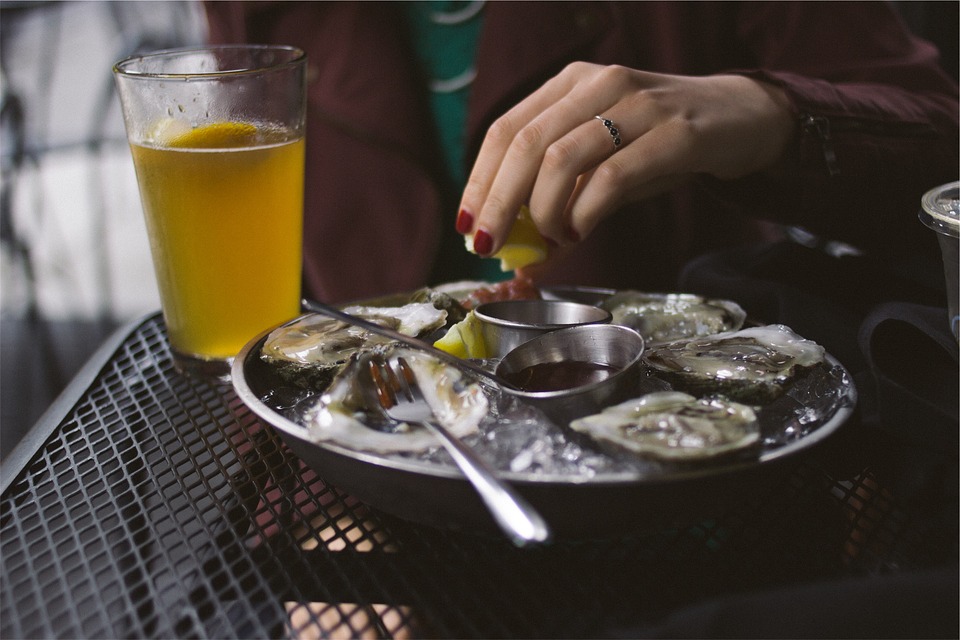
(217, 137)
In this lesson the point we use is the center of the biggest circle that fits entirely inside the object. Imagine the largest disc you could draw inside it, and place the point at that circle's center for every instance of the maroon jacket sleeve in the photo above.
(877, 119)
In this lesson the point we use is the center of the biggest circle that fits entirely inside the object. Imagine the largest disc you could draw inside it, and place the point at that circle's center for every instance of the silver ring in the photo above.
(612, 128)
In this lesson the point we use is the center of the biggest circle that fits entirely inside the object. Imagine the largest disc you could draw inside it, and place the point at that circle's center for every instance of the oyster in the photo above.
(664, 317)
(311, 350)
(412, 319)
(442, 300)
(674, 426)
(349, 415)
(752, 365)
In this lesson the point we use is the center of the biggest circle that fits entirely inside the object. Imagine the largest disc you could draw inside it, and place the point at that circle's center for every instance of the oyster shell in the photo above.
(442, 300)
(411, 319)
(664, 317)
(752, 365)
(311, 350)
(348, 413)
(674, 426)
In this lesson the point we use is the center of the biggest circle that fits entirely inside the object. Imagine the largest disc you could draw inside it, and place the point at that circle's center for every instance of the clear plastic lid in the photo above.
(941, 209)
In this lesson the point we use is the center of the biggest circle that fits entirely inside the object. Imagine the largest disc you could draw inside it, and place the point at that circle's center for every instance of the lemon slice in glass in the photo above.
(464, 339)
(166, 129)
(217, 135)
(524, 245)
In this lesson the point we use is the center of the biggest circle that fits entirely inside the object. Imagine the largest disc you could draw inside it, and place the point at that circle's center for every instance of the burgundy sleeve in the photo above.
(877, 121)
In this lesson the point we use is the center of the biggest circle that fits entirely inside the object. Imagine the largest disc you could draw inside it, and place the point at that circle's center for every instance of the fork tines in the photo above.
(385, 393)
(389, 384)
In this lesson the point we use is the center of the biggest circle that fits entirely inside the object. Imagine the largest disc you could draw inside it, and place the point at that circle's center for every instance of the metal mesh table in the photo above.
(147, 504)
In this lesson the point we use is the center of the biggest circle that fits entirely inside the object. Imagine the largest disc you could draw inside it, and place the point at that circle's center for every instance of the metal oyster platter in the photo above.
(583, 487)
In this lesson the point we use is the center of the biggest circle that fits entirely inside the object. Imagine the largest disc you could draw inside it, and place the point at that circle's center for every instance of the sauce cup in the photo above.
(573, 372)
(509, 323)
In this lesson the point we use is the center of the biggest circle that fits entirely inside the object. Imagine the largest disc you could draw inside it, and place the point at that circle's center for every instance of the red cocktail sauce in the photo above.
(557, 376)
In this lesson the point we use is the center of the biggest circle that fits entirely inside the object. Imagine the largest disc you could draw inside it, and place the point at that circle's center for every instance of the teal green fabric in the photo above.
(444, 52)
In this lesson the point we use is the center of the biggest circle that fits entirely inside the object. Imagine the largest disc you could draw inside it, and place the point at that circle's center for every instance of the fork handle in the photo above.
(513, 513)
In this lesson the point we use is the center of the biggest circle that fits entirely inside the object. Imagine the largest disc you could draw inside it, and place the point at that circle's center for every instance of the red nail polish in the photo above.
(464, 222)
(482, 243)
(550, 242)
(572, 234)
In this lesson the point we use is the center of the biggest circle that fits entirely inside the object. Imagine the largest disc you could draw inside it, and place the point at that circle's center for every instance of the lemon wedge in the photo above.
(217, 135)
(464, 339)
(524, 245)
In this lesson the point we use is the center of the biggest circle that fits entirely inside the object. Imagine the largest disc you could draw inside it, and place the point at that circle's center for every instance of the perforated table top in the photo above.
(146, 504)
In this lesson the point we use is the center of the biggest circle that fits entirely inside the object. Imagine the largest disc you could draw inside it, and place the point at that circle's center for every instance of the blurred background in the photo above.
(74, 259)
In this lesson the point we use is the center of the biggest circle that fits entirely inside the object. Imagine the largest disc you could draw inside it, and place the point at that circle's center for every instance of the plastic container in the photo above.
(940, 211)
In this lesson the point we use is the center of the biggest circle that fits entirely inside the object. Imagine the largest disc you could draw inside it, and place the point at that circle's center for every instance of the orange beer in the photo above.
(224, 213)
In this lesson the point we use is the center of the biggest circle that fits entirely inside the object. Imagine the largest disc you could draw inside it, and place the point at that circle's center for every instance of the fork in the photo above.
(401, 398)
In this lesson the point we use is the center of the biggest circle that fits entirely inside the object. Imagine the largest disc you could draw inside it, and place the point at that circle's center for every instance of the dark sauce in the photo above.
(556, 376)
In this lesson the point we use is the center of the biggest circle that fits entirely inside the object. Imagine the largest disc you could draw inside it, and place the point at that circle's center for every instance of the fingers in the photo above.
(649, 165)
(518, 144)
(551, 152)
(583, 177)
(566, 167)
(489, 163)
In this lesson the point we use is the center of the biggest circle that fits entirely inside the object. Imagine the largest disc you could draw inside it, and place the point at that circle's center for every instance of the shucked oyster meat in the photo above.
(348, 413)
(308, 352)
(674, 426)
(412, 319)
(664, 317)
(752, 365)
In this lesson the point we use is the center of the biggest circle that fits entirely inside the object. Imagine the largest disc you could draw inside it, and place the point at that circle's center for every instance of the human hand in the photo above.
(550, 151)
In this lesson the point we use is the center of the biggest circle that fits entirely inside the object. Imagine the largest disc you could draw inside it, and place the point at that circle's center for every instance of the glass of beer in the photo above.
(217, 137)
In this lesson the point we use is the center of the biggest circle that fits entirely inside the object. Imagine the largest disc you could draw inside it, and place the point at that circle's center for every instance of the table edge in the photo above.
(17, 460)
